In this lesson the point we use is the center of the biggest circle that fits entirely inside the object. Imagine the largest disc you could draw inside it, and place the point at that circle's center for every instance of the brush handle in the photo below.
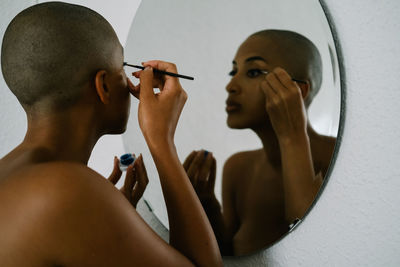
(293, 79)
(161, 72)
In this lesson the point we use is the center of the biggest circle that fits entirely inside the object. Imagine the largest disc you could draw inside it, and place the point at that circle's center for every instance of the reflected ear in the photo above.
(101, 87)
(305, 89)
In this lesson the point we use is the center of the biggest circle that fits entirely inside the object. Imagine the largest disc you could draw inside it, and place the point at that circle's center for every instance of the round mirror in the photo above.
(265, 104)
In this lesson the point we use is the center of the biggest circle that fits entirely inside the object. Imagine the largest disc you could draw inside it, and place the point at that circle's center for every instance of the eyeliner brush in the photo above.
(293, 79)
(161, 72)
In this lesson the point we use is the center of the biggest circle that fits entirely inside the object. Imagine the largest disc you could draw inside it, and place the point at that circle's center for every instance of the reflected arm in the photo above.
(224, 222)
(201, 170)
(299, 180)
(190, 231)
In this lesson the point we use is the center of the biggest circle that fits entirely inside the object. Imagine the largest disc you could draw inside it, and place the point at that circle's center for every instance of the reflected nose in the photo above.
(232, 87)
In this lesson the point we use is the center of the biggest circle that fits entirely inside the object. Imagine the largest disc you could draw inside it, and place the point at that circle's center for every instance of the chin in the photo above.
(234, 123)
(121, 130)
(117, 129)
(242, 122)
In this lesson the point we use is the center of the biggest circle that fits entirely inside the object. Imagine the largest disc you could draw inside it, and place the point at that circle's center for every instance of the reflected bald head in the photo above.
(51, 51)
(299, 56)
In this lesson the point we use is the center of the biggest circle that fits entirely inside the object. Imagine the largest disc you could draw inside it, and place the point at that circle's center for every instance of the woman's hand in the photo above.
(200, 167)
(159, 113)
(285, 105)
(136, 180)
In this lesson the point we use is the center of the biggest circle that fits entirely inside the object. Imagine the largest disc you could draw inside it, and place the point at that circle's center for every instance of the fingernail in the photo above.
(205, 153)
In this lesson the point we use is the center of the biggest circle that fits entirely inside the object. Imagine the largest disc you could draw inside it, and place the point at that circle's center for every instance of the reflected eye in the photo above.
(252, 73)
(232, 73)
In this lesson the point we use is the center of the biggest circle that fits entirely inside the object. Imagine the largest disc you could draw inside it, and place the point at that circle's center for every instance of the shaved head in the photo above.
(51, 51)
(299, 55)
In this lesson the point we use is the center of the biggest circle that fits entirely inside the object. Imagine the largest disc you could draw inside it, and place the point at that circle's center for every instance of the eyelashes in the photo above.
(251, 73)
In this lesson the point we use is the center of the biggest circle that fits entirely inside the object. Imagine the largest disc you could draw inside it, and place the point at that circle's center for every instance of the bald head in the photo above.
(51, 51)
(299, 55)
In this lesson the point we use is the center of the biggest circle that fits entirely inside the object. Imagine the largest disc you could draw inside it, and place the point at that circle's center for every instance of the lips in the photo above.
(232, 106)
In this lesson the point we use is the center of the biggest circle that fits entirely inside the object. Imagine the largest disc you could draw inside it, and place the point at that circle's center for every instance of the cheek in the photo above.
(255, 99)
(122, 98)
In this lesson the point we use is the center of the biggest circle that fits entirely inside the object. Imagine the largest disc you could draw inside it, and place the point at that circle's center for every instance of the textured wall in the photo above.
(355, 222)
(12, 116)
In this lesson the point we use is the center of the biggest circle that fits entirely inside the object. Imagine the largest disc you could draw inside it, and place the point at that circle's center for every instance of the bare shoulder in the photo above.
(56, 180)
(240, 163)
(242, 159)
(322, 150)
(69, 215)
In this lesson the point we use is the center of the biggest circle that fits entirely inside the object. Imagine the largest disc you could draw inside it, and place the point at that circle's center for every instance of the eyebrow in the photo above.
(255, 58)
(251, 59)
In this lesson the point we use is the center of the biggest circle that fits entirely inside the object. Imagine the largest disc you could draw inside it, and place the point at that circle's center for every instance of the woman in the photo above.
(264, 191)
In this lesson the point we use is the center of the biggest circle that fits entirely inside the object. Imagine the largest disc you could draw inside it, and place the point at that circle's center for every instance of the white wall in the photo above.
(12, 116)
(355, 222)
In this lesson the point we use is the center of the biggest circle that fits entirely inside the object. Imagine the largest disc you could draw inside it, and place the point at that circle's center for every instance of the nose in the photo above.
(232, 87)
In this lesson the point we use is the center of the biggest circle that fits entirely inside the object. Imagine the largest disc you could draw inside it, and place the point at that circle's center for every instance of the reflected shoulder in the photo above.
(240, 163)
(243, 158)
(322, 149)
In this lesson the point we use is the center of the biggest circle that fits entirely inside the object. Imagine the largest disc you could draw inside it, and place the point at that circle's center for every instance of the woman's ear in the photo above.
(101, 87)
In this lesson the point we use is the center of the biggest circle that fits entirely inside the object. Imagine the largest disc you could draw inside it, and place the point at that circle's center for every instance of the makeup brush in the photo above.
(160, 71)
(295, 80)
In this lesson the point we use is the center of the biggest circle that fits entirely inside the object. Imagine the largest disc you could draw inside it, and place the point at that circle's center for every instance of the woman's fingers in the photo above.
(211, 179)
(116, 172)
(188, 160)
(285, 79)
(130, 180)
(204, 172)
(134, 89)
(162, 81)
(141, 181)
(193, 170)
(161, 65)
(146, 85)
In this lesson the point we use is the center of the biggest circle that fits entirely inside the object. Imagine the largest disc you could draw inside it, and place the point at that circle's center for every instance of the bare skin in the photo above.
(265, 190)
(58, 212)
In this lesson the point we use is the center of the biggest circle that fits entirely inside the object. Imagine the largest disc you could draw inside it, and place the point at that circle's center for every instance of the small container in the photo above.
(126, 160)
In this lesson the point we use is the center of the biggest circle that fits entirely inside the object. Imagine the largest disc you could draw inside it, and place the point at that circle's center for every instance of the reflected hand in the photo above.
(136, 180)
(200, 167)
(285, 105)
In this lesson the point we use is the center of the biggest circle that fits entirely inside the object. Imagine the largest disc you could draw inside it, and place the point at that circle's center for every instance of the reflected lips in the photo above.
(232, 106)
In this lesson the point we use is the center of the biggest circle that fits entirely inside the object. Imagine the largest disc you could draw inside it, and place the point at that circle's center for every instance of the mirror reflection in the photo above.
(258, 133)
(266, 190)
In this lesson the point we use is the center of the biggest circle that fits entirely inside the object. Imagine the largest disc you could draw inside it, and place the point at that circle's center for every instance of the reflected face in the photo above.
(246, 100)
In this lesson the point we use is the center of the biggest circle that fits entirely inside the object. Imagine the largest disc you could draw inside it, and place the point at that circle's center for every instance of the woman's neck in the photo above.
(66, 136)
